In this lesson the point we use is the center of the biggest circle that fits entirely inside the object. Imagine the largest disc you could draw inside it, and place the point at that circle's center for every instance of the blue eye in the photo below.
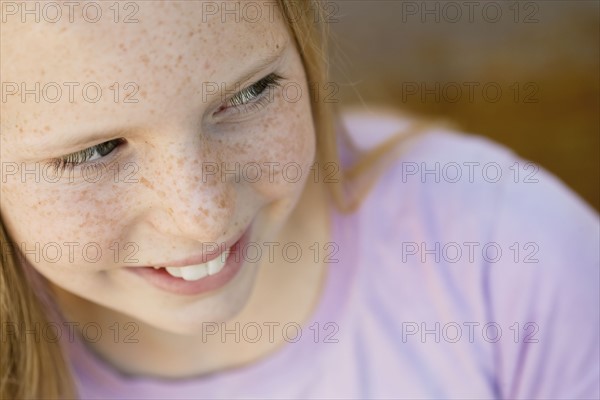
(255, 95)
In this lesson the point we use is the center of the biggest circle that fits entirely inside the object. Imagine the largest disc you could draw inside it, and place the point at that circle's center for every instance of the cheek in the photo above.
(276, 155)
(57, 228)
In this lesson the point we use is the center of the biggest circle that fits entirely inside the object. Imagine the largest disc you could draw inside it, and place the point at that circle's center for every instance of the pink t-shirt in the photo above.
(466, 273)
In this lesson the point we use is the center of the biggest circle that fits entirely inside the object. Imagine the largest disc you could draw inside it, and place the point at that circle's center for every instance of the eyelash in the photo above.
(72, 160)
(250, 99)
(253, 96)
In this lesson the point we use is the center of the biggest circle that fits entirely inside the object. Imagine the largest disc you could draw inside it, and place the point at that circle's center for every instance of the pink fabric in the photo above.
(381, 291)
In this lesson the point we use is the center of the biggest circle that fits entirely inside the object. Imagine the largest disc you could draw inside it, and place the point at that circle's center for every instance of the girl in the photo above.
(185, 216)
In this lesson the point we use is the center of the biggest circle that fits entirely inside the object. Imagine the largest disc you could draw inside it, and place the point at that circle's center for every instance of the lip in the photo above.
(162, 280)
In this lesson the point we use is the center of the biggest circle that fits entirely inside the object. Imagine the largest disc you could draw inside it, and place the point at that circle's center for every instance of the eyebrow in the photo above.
(233, 85)
(261, 64)
(75, 141)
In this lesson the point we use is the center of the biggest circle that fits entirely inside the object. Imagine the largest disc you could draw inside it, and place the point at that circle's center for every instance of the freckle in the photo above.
(207, 65)
(46, 128)
(83, 195)
(145, 59)
(146, 183)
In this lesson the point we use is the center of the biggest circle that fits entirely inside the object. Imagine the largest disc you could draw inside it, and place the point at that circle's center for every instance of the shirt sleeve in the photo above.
(545, 289)
(527, 280)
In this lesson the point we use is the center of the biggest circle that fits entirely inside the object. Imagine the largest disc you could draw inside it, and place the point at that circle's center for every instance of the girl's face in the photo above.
(187, 156)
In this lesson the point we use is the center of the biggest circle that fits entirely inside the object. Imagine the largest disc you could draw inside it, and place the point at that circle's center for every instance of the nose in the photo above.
(183, 200)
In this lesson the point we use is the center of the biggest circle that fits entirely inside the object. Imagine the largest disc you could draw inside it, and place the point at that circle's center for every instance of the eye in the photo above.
(86, 155)
(256, 95)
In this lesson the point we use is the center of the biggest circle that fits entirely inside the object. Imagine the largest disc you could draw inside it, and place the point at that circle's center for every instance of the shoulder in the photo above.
(460, 228)
(454, 185)
(463, 173)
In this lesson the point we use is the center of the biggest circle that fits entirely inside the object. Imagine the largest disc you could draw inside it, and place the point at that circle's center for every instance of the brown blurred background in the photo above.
(543, 55)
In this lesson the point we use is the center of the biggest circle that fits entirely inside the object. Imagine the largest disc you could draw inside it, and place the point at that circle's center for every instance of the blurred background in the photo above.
(523, 73)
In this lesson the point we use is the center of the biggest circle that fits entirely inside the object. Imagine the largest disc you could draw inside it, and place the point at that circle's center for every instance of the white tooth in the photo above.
(199, 271)
(214, 266)
(174, 271)
(226, 254)
(194, 272)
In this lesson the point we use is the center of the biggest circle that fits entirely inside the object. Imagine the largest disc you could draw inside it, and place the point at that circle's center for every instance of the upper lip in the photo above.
(202, 258)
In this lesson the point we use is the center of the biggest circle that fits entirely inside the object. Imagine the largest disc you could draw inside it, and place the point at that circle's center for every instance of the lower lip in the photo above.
(161, 279)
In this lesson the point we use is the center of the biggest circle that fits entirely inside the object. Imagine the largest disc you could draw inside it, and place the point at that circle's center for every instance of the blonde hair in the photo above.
(31, 368)
(311, 33)
(38, 369)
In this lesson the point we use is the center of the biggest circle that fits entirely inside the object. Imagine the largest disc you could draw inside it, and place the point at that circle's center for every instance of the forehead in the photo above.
(147, 31)
(164, 50)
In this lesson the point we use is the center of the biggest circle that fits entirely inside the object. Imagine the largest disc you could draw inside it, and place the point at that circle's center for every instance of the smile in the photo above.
(199, 271)
(197, 275)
